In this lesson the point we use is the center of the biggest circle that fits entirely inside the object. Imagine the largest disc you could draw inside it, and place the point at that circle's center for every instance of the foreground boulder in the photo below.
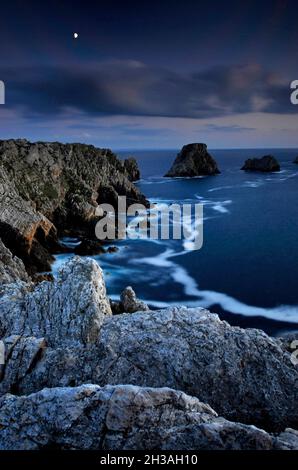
(125, 418)
(71, 338)
(193, 160)
(266, 164)
(47, 189)
(66, 312)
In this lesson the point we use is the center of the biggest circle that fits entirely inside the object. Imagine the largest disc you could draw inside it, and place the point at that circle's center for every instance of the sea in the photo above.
(247, 268)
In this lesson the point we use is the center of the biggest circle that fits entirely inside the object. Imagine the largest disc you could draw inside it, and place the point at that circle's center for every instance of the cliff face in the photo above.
(48, 188)
(12, 268)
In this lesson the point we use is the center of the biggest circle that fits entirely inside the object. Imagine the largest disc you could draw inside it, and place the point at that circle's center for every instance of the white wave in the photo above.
(70, 242)
(201, 298)
(253, 184)
(221, 207)
(151, 181)
(218, 206)
(220, 188)
(207, 298)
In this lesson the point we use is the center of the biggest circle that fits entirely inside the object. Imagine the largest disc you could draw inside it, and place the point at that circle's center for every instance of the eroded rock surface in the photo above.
(66, 312)
(243, 374)
(125, 417)
(12, 268)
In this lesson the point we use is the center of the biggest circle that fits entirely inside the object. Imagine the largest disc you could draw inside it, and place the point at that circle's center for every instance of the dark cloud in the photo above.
(227, 128)
(133, 88)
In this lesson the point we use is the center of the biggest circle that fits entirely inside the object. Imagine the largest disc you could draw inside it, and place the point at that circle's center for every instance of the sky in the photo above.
(150, 75)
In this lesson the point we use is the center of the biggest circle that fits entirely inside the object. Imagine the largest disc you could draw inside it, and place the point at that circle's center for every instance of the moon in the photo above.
(75, 35)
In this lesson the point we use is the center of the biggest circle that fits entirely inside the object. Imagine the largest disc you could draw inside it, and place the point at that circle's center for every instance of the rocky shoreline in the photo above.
(62, 336)
(266, 164)
(51, 189)
(83, 372)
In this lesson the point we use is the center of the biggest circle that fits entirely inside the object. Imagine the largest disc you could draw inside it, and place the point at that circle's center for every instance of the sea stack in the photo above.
(193, 160)
(266, 164)
(296, 160)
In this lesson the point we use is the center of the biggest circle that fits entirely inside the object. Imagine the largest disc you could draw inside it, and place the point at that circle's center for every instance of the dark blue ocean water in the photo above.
(247, 269)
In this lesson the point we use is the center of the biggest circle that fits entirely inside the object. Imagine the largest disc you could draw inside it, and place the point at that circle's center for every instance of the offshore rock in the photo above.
(193, 160)
(266, 164)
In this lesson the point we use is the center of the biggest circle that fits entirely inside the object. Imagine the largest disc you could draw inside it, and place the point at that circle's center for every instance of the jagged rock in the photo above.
(132, 169)
(50, 187)
(66, 312)
(11, 267)
(55, 176)
(268, 163)
(193, 160)
(288, 439)
(21, 354)
(289, 341)
(130, 303)
(40, 277)
(125, 418)
(243, 374)
(24, 230)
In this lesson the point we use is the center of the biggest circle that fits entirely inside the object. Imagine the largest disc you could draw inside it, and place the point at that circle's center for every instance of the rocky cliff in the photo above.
(77, 376)
(50, 188)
